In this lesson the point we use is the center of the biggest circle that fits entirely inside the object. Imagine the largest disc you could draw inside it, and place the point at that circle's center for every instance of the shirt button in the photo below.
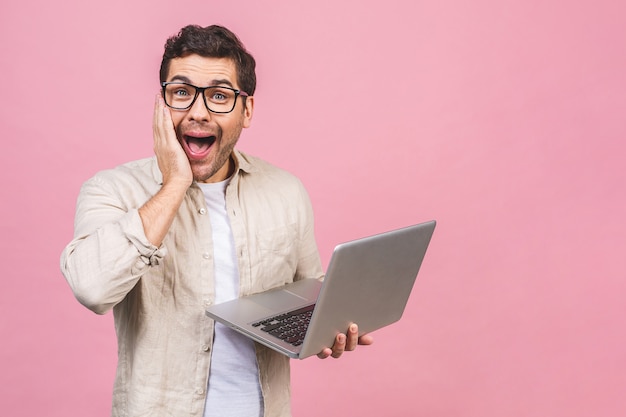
(200, 391)
(205, 348)
(206, 255)
(202, 211)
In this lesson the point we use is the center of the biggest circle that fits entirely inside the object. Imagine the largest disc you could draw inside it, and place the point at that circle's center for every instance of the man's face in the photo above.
(208, 138)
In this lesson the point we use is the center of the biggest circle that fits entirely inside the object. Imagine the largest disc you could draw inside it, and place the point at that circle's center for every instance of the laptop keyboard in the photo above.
(290, 327)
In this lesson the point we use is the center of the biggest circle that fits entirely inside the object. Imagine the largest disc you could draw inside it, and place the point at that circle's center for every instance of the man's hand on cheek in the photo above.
(171, 157)
(346, 342)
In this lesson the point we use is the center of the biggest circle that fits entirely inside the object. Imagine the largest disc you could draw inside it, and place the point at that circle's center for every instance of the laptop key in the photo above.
(290, 327)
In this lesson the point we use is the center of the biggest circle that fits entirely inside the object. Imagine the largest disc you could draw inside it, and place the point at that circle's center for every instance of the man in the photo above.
(160, 239)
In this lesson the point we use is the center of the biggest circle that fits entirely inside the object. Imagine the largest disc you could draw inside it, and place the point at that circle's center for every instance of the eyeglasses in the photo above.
(217, 99)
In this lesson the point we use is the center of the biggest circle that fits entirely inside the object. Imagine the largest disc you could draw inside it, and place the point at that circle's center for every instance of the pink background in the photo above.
(503, 120)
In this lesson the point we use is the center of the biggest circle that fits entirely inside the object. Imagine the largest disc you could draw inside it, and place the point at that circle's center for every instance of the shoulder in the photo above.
(262, 172)
(264, 183)
(142, 170)
(132, 181)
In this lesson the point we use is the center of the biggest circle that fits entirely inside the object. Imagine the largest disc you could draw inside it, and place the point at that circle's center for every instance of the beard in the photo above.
(222, 146)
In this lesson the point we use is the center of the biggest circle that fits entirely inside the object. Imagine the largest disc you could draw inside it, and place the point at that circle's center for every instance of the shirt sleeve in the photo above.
(109, 251)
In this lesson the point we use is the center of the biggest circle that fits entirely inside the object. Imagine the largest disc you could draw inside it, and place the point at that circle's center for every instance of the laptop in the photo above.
(368, 282)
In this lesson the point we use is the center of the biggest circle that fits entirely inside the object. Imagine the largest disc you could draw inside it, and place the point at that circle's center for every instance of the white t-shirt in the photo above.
(234, 389)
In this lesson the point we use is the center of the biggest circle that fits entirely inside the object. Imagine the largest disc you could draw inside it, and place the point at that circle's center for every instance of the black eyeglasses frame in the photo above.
(201, 90)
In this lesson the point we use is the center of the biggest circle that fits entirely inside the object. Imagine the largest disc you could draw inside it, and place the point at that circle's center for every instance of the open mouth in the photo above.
(198, 147)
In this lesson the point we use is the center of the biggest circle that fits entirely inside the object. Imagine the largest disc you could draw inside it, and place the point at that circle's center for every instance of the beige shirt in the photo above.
(158, 295)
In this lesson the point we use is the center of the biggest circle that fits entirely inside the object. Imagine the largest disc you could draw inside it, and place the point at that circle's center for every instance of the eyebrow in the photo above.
(213, 83)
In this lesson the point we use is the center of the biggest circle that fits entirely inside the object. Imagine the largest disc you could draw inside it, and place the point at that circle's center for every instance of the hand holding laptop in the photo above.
(347, 342)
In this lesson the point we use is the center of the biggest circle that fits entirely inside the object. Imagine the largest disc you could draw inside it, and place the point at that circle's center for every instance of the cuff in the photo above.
(149, 255)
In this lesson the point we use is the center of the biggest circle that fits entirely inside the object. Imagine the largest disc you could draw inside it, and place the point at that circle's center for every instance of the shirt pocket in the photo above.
(276, 255)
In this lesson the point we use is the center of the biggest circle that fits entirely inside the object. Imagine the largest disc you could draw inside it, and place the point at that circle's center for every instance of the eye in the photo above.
(180, 92)
(219, 95)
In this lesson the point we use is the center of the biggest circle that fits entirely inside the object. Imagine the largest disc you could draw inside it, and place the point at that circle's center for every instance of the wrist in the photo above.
(176, 185)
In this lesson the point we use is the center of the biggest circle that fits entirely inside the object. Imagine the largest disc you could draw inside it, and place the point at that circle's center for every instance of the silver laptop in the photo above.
(368, 282)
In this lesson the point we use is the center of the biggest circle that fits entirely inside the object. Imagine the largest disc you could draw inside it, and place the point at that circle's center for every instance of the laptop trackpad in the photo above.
(294, 295)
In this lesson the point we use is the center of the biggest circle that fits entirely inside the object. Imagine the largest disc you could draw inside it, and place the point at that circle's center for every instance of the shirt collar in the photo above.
(242, 162)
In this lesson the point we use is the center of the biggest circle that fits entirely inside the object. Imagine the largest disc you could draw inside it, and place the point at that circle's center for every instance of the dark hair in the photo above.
(214, 42)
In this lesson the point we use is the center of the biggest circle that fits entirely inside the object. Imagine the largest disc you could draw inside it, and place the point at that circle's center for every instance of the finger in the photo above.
(167, 118)
(340, 346)
(162, 121)
(352, 337)
(325, 353)
(165, 141)
(366, 339)
(156, 117)
(162, 116)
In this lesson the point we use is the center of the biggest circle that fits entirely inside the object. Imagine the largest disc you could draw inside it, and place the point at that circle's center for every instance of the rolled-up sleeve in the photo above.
(109, 251)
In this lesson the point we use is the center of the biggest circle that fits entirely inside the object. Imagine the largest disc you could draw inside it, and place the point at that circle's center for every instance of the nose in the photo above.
(198, 110)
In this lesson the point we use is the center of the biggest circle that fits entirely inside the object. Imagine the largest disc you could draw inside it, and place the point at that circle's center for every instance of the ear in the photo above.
(248, 111)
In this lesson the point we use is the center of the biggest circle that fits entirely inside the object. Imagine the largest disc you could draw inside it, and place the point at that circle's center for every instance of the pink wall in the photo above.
(503, 120)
